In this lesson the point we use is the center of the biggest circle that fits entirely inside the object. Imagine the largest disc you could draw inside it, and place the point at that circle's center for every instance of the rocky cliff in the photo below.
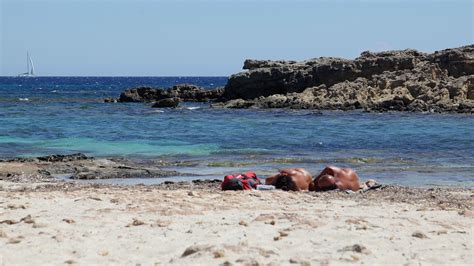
(406, 80)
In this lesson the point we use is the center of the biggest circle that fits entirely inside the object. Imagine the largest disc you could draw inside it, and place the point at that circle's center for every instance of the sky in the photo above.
(214, 37)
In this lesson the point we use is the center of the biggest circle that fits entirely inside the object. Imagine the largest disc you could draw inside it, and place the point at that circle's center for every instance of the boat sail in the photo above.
(30, 68)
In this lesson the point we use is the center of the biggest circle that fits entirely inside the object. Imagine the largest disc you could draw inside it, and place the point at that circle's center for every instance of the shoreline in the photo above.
(152, 170)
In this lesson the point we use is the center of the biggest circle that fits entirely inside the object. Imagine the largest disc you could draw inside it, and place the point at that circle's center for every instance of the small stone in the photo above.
(104, 253)
(27, 219)
(95, 198)
(70, 262)
(299, 261)
(13, 206)
(136, 222)
(3, 234)
(419, 234)
(283, 233)
(276, 238)
(14, 241)
(243, 223)
(161, 223)
(69, 221)
(9, 222)
(194, 249)
(226, 263)
(219, 253)
(356, 248)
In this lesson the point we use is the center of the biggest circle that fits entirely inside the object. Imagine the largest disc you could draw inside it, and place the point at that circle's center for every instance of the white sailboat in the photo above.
(30, 68)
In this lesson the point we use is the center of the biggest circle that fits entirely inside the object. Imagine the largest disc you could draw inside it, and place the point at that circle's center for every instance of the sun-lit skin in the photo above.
(295, 179)
(333, 177)
(299, 179)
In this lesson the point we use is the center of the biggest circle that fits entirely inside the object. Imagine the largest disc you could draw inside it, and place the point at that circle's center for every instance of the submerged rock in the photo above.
(166, 103)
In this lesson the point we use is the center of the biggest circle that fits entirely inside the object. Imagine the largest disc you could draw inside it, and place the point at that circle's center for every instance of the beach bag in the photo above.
(245, 181)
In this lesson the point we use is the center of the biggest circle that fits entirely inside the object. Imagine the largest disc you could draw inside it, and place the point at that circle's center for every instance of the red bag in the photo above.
(245, 181)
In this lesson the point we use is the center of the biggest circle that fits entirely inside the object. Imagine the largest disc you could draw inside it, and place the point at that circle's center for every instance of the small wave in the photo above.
(193, 108)
(54, 91)
(23, 99)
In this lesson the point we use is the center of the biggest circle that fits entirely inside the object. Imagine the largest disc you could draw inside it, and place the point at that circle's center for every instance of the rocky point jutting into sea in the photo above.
(405, 80)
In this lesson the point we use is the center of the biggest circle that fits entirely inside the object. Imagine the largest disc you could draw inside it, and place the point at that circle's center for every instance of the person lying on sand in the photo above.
(299, 179)
(334, 177)
(294, 179)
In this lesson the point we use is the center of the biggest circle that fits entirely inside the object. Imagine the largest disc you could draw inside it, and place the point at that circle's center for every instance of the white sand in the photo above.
(95, 226)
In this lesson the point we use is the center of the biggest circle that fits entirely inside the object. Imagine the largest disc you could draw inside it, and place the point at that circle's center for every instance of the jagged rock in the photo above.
(142, 94)
(405, 80)
(166, 103)
(185, 92)
(458, 61)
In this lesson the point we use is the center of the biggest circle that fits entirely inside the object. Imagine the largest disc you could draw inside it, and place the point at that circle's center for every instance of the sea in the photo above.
(63, 115)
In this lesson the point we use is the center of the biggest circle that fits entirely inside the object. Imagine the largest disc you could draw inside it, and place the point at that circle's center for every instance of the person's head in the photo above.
(284, 181)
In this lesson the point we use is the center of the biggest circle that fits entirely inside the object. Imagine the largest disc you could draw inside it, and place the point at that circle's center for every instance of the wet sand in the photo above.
(196, 223)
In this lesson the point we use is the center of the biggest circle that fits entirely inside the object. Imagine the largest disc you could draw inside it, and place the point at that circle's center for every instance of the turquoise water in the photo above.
(65, 115)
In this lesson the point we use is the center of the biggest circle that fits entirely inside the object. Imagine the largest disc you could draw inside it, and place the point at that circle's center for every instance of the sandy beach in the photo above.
(196, 223)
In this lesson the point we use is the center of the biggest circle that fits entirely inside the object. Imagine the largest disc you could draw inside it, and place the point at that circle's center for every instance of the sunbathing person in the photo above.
(294, 179)
(337, 178)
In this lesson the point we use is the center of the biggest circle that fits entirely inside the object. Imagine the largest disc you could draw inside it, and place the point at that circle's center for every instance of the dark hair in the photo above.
(285, 182)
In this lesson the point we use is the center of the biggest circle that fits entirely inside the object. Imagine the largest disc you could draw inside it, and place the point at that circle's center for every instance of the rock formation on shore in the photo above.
(77, 166)
(405, 80)
(182, 92)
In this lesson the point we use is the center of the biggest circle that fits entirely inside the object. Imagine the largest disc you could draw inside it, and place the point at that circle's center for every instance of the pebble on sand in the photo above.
(194, 249)
(69, 221)
(9, 222)
(243, 223)
(135, 222)
(419, 234)
(356, 248)
(219, 253)
(27, 219)
(14, 241)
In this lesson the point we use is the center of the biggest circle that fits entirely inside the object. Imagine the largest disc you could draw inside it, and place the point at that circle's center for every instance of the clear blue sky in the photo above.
(213, 37)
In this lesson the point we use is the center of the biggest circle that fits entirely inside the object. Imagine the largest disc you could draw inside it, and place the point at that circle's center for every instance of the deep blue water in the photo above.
(49, 115)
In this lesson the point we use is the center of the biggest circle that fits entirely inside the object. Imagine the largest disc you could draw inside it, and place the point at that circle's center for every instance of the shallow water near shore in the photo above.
(47, 115)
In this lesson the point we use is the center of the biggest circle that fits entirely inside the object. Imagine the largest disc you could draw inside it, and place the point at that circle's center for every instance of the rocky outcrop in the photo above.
(77, 166)
(184, 92)
(405, 80)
